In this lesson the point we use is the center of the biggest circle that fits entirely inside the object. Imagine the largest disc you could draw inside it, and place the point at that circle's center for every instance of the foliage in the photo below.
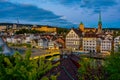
(89, 70)
(20, 45)
(22, 68)
(109, 71)
(62, 30)
(22, 31)
(45, 78)
(116, 33)
(112, 66)
(53, 77)
(1, 49)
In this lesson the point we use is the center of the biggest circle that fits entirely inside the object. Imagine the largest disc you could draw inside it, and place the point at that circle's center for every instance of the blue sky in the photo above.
(62, 13)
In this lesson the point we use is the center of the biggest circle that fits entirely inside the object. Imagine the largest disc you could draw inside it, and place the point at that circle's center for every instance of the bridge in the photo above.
(44, 55)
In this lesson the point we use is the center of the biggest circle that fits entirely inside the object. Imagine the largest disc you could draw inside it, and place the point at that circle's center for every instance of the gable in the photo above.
(72, 33)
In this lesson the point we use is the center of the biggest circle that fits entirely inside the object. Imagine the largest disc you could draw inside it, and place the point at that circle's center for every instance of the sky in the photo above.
(62, 13)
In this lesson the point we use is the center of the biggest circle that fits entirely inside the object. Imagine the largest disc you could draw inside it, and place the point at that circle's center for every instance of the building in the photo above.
(116, 43)
(90, 42)
(3, 28)
(105, 45)
(88, 38)
(83, 29)
(74, 39)
(51, 44)
(61, 42)
(45, 29)
(97, 31)
(43, 43)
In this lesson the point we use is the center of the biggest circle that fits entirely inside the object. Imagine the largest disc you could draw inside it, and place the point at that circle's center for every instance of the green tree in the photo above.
(22, 67)
(52, 77)
(112, 66)
(89, 70)
(45, 78)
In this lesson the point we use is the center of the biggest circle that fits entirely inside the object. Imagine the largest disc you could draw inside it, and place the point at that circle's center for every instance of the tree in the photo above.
(22, 68)
(110, 70)
(45, 78)
(112, 66)
(89, 70)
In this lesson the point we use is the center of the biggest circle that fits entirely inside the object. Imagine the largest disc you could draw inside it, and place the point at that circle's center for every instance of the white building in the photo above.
(105, 45)
(51, 44)
(29, 38)
(43, 43)
(90, 43)
(116, 43)
(9, 39)
(14, 40)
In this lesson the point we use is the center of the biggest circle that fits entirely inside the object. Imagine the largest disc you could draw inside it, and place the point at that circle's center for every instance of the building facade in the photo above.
(74, 39)
(45, 29)
(116, 43)
(105, 45)
(90, 42)
(83, 29)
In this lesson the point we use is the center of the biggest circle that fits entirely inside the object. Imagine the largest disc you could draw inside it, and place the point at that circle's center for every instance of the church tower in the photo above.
(81, 27)
(99, 24)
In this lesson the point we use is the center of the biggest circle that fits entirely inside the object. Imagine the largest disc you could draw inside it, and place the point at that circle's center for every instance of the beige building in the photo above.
(74, 39)
(3, 28)
(95, 30)
(83, 29)
(45, 29)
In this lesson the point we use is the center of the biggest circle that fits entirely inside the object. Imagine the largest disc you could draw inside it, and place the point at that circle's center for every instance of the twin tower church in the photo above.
(97, 31)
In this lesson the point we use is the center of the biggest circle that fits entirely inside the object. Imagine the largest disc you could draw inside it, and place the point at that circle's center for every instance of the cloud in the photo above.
(94, 5)
(28, 13)
(68, 2)
(98, 4)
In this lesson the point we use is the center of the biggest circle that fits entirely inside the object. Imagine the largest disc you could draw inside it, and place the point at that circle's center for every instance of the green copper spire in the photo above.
(100, 22)
(81, 23)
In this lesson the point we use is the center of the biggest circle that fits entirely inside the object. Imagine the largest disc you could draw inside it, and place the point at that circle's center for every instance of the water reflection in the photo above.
(4, 49)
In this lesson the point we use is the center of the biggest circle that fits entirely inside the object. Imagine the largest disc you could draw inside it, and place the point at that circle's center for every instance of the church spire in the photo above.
(99, 24)
(99, 21)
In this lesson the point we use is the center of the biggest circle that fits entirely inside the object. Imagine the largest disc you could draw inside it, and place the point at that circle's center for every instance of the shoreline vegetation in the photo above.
(108, 69)
(23, 68)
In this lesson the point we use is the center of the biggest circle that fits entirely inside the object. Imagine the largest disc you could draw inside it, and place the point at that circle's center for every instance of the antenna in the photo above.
(17, 20)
